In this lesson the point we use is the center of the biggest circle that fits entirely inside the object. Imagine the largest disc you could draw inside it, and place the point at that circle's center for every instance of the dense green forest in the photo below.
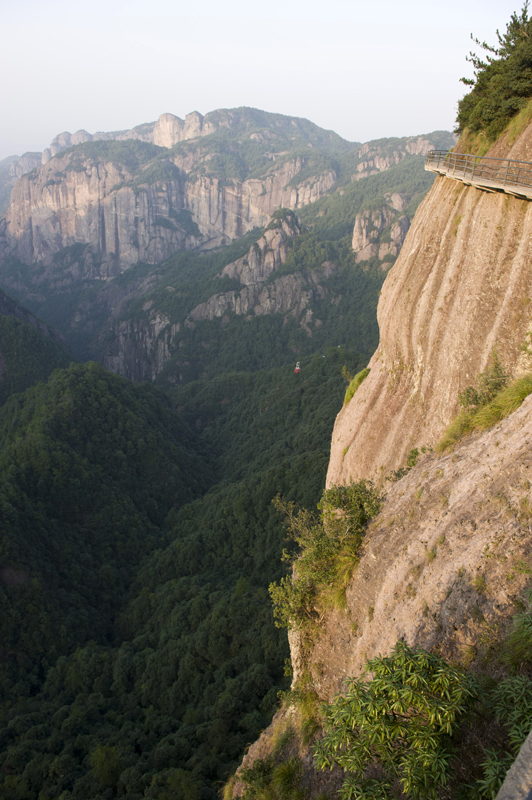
(26, 357)
(139, 651)
(138, 533)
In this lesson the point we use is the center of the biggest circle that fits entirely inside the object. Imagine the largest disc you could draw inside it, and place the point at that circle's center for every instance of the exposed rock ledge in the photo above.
(452, 519)
(442, 567)
(287, 293)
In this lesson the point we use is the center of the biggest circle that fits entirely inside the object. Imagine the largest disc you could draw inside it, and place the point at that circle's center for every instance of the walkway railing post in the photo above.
(483, 171)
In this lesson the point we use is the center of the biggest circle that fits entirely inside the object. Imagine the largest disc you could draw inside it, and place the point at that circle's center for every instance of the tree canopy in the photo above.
(502, 85)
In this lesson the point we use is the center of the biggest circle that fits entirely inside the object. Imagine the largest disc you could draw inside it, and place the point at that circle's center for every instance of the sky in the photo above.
(366, 69)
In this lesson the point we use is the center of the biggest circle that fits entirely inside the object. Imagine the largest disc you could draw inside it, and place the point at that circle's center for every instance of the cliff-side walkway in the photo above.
(489, 174)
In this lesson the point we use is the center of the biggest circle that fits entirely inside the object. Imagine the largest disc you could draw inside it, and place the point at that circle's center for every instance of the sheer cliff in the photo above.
(144, 194)
(460, 288)
(447, 560)
(444, 566)
(128, 242)
(159, 188)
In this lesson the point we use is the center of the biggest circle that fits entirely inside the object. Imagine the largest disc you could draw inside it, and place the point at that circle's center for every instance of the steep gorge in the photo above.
(448, 559)
(113, 237)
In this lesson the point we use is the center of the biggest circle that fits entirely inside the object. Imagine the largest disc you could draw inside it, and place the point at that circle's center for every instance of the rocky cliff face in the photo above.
(105, 203)
(443, 567)
(381, 232)
(447, 561)
(197, 183)
(167, 131)
(73, 199)
(288, 293)
(460, 287)
(381, 155)
(446, 558)
(141, 347)
(67, 201)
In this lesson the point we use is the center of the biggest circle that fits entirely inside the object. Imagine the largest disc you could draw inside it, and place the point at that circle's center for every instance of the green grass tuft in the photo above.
(460, 426)
(517, 649)
(518, 124)
(505, 403)
(355, 383)
(286, 775)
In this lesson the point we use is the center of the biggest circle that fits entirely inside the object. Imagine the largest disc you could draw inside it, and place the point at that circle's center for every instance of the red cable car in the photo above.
(298, 368)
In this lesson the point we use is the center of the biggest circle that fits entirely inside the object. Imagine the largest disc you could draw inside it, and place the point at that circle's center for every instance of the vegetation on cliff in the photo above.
(403, 719)
(354, 383)
(502, 85)
(328, 554)
(482, 406)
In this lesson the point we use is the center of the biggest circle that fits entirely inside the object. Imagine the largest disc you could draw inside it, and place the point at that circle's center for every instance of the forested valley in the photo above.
(138, 534)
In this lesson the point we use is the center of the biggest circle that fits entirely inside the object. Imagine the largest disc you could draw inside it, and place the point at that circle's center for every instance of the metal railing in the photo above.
(495, 174)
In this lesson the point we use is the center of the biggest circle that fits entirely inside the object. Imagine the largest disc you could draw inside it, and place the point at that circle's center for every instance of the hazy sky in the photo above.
(363, 68)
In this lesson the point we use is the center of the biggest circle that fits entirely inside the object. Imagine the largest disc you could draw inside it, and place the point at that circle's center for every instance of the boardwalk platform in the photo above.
(488, 174)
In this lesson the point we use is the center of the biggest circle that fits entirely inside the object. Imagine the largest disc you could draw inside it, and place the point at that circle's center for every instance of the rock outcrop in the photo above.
(67, 202)
(444, 566)
(101, 203)
(194, 189)
(25, 163)
(167, 131)
(447, 560)
(460, 288)
(382, 154)
(444, 560)
(140, 347)
(381, 232)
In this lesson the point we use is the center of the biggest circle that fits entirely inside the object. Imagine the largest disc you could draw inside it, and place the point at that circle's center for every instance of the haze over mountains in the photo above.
(97, 208)
(265, 437)
(207, 255)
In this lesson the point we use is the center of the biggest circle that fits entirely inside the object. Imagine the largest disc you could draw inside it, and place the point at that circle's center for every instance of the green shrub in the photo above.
(511, 701)
(518, 647)
(412, 457)
(411, 461)
(503, 82)
(286, 776)
(164, 222)
(495, 768)
(505, 403)
(329, 552)
(489, 384)
(403, 719)
(268, 780)
(485, 404)
(511, 704)
(106, 765)
(459, 427)
(355, 383)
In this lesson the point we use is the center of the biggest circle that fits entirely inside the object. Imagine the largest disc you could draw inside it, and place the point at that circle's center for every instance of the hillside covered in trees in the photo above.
(139, 654)
(138, 651)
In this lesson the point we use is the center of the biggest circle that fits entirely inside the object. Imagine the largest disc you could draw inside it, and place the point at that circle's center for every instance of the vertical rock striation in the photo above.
(461, 286)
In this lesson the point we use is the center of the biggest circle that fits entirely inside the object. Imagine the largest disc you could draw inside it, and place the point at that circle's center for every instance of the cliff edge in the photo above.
(461, 286)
